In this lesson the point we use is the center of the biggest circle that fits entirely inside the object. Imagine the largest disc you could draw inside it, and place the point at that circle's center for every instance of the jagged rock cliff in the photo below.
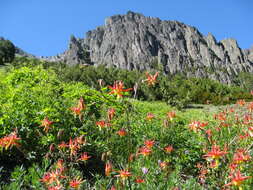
(133, 41)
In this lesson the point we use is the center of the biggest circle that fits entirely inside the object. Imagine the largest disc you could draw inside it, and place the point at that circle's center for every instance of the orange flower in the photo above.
(237, 179)
(241, 102)
(139, 180)
(241, 156)
(110, 113)
(250, 106)
(102, 124)
(46, 178)
(163, 165)
(73, 146)
(122, 132)
(52, 177)
(168, 149)
(57, 187)
(75, 183)
(108, 168)
(150, 116)
(81, 104)
(197, 125)
(215, 153)
(124, 174)
(145, 151)
(118, 89)
(151, 79)
(149, 143)
(46, 124)
(9, 141)
(171, 115)
(84, 157)
(76, 110)
(63, 145)
(60, 164)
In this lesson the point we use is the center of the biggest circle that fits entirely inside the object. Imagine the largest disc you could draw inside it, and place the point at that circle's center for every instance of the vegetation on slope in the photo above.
(57, 133)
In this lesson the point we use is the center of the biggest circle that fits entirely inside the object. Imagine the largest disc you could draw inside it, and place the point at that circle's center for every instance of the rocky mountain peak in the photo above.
(133, 41)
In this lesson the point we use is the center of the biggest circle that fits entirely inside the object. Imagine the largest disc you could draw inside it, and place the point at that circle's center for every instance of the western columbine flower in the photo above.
(118, 89)
(250, 106)
(197, 125)
(9, 141)
(108, 168)
(81, 104)
(168, 149)
(241, 102)
(149, 143)
(163, 165)
(145, 151)
(46, 178)
(122, 132)
(110, 113)
(73, 146)
(57, 187)
(215, 153)
(102, 124)
(241, 156)
(75, 183)
(46, 124)
(63, 145)
(150, 116)
(237, 179)
(151, 79)
(84, 157)
(124, 174)
(76, 110)
(171, 115)
(60, 164)
(139, 180)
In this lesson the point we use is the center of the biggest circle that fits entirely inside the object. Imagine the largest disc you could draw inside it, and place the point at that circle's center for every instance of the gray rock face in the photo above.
(133, 41)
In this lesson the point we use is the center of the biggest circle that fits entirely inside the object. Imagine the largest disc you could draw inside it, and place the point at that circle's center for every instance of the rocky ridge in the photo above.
(133, 41)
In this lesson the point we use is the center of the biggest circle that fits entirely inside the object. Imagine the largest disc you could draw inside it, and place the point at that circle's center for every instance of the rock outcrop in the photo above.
(133, 41)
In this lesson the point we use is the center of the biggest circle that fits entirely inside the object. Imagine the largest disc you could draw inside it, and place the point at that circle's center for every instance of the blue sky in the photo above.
(43, 27)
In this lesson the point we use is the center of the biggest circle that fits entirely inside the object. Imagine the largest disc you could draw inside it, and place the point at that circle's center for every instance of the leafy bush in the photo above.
(7, 51)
